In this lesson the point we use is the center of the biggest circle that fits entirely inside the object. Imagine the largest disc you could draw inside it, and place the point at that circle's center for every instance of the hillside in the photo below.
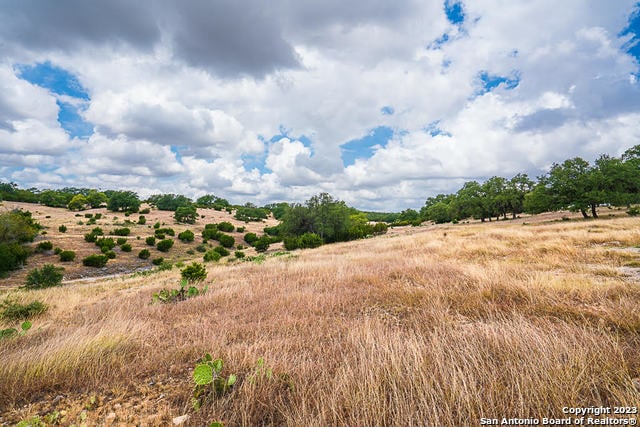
(439, 325)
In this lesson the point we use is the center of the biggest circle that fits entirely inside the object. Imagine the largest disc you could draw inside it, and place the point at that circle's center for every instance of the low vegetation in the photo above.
(47, 276)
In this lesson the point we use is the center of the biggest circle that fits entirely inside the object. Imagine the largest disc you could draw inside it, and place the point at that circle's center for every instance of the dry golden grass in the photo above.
(430, 326)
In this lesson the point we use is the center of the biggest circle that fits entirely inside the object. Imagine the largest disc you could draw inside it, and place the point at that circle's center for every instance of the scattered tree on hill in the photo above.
(78, 203)
(126, 201)
(186, 214)
(169, 202)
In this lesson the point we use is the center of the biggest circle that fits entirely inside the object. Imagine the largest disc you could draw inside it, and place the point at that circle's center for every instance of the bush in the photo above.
(156, 225)
(145, 211)
(165, 245)
(195, 272)
(272, 231)
(13, 311)
(633, 211)
(240, 229)
(187, 214)
(250, 238)
(186, 236)
(126, 247)
(226, 240)
(226, 227)
(95, 261)
(90, 237)
(105, 244)
(47, 276)
(239, 254)
(121, 231)
(165, 265)
(151, 240)
(88, 215)
(110, 254)
(121, 241)
(62, 229)
(44, 246)
(160, 236)
(12, 256)
(168, 231)
(67, 256)
(142, 220)
(210, 233)
(57, 250)
(291, 243)
(310, 240)
(144, 254)
(212, 256)
(97, 231)
(262, 244)
(221, 250)
(98, 216)
(157, 261)
(201, 248)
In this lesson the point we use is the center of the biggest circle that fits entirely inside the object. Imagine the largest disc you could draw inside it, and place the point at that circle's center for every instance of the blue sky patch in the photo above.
(56, 79)
(364, 147)
(434, 129)
(454, 11)
(254, 161)
(387, 110)
(61, 82)
(72, 122)
(632, 30)
(491, 81)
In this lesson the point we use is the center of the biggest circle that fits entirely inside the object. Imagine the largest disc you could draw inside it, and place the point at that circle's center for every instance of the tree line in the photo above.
(574, 184)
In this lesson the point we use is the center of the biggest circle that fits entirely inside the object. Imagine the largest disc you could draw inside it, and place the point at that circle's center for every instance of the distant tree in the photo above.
(515, 192)
(212, 202)
(573, 185)
(169, 202)
(96, 199)
(277, 209)
(186, 214)
(127, 201)
(78, 203)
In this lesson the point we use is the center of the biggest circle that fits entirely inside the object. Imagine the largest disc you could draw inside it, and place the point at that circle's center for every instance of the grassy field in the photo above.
(439, 325)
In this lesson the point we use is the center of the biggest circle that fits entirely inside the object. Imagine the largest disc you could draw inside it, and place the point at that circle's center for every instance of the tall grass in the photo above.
(436, 327)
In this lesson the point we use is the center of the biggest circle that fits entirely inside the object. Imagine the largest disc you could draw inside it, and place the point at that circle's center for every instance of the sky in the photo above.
(382, 104)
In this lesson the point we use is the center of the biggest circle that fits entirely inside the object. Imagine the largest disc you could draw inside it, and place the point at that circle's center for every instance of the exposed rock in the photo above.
(180, 420)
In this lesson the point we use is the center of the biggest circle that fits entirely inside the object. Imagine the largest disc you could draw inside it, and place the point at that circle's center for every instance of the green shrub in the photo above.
(97, 231)
(165, 265)
(57, 250)
(91, 221)
(181, 294)
(95, 260)
(67, 256)
(156, 225)
(186, 236)
(262, 244)
(165, 245)
(310, 240)
(145, 211)
(47, 276)
(12, 311)
(126, 247)
(272, 231)
(209, 380)
(144, 254)
(121, 241)
(633, 211)
(250, 238)
(157, 261)
(201, 248)
(98, 216)
(195, 272)
(186, 214)
(105, 244)
(167, 231)
(90, 237)
(121, 231)
(221, 250)
(88, 215)
(151, 240)
(110, 254)
(291, 243)
(240, 229)
(142, 220)
(212, 256)
(226, 227)
(160, 236)
(239, 254)
(12, 256)
(62, 228)
(210, 233)
(226, 240)
(44, 246)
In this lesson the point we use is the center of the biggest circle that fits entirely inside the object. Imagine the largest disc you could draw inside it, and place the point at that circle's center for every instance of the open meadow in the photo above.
(434, 325)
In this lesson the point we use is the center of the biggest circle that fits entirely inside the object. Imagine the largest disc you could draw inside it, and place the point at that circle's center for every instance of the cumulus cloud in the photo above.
(254, 102)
